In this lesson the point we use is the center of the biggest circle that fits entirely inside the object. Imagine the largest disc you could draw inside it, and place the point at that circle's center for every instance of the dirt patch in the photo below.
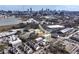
(6, 28)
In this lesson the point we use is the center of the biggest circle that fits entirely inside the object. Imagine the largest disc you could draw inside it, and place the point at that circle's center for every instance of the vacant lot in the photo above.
(6, 28)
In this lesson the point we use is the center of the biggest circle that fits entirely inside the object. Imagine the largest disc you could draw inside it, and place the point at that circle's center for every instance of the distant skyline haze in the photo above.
(39, 7)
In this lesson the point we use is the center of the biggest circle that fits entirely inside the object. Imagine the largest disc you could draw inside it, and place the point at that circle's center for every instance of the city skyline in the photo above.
(39, 7)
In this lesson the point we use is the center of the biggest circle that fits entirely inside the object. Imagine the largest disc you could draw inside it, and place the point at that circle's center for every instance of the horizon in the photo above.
(39, 7)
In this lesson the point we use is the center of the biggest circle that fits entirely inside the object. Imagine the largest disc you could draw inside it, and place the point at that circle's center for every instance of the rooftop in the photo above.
(55, 26)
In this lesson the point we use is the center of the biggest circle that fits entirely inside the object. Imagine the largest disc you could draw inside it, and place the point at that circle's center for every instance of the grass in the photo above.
(6, 28)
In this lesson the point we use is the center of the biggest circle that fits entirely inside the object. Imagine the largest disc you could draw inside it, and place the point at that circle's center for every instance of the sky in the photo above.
(39, 7)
